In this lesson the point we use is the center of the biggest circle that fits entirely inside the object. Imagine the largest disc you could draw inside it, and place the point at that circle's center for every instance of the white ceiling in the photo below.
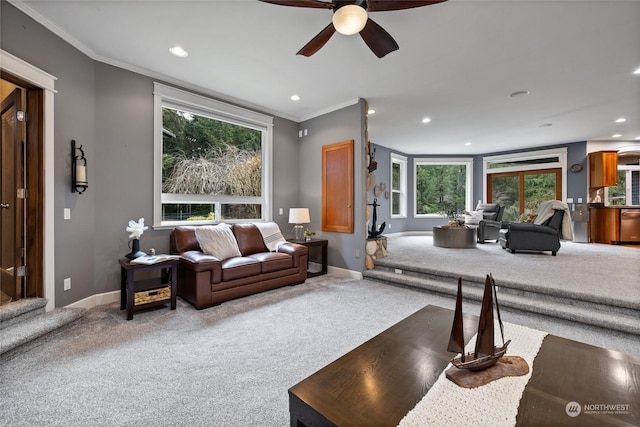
(457, 64)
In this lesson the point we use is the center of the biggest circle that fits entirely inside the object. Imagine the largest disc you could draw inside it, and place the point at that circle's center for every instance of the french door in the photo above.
(522, 192)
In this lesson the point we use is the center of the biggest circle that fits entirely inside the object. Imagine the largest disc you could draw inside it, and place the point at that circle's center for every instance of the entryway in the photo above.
(21, 190)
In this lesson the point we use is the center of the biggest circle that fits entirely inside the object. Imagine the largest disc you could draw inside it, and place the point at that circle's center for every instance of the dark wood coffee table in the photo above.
(379, 382)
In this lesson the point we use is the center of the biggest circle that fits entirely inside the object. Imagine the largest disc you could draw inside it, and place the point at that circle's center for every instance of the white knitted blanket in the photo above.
(494, 404)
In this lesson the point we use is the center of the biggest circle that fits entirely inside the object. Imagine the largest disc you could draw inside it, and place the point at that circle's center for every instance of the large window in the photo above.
(212, 160)
(442, 186)
(627, 192)
(521, 181)
(398, 186)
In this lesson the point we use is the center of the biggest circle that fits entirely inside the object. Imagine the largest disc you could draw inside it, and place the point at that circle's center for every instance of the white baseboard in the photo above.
(96, 300)
(342, 272)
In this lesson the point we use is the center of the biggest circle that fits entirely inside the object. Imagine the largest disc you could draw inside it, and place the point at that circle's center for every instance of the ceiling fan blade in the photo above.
(318, 41)
(318, 4)
(379, 41)
(385, 5)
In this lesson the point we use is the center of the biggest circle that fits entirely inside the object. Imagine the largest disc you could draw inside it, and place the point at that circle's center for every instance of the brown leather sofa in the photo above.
(204, 280)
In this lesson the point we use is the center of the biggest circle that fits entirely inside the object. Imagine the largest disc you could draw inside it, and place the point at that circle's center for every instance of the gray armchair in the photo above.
(491, 222)
(534, 237)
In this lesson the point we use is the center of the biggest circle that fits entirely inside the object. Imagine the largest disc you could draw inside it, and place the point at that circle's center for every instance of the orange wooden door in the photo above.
(337, 187)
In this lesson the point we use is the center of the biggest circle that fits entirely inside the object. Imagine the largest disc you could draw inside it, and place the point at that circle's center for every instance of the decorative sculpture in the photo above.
(375, 232)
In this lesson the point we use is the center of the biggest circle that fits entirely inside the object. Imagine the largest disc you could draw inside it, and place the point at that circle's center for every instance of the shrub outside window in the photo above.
(212, 160)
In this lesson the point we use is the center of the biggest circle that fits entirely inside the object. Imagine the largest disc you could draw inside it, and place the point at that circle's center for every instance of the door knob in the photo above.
(4, 205)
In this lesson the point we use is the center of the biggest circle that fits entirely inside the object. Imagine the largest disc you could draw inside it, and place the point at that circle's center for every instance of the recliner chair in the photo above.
(491, 222)
(534, 237)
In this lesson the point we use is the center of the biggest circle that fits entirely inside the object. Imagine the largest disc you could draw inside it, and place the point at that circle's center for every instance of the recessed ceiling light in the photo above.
(637, 71)
(519, 93)
(371, 111)
(467, 143)
(545, 125)
(294, 98)
(616, 135)
(426, 120)
(621, 120)
(637, 138)
(178, 51)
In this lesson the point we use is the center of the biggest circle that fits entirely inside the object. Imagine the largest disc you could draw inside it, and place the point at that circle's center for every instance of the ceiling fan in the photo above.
(351, 17)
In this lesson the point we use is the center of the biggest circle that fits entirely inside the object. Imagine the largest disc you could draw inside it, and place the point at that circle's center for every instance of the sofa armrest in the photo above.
(490, 223)
(532, 228)
(199, 261)
(295, 250)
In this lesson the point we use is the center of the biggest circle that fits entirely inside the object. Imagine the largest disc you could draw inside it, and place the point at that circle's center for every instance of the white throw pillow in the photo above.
(218, 241)
(473, 218)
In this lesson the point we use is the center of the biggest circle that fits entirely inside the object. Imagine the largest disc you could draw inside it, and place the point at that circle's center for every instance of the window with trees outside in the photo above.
(211, 160)
(627, 192)
(398, 185)
(442, 186)
(520, 182)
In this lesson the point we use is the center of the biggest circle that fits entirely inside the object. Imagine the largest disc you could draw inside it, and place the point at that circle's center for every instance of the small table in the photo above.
(454, 237)
(129, 287)
(313, 243)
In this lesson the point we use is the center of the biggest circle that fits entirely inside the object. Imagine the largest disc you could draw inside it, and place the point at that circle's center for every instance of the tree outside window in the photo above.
(442, 187)
(210, 160)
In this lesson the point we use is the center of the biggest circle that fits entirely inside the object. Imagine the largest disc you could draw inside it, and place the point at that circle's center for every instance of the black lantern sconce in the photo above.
(78, 169)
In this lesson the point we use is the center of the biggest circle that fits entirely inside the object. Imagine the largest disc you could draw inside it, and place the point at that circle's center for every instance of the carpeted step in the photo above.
(20, 311)
(30, 333)
(619, 319)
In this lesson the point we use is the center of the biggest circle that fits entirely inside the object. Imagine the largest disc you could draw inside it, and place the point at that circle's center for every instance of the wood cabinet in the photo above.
(604, 225)
(603, 169)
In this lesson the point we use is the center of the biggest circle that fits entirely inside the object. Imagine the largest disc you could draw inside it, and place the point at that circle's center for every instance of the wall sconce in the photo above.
(78, 169)
(298, 216)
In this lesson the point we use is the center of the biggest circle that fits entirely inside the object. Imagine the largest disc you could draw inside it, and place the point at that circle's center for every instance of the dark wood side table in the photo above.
(314, 243)
(148, 289)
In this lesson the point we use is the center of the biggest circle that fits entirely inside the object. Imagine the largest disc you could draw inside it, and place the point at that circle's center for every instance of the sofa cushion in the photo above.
(184, 239)
(218, 241)
(249, 239)
(473, 218)
(273, 261)
(239, 267)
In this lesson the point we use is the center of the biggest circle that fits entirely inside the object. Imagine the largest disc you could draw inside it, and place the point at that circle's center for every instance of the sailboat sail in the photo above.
(456, 340)
(484, 340)
(486, 354)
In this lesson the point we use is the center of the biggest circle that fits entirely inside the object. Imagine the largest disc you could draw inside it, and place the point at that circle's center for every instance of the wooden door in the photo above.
(337, 187)
(11, 198)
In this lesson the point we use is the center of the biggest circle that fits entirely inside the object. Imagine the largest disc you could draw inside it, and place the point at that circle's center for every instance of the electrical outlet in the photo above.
(280, 211)
(357, 253)
(389, 226)
(67, 283)
(398, 271)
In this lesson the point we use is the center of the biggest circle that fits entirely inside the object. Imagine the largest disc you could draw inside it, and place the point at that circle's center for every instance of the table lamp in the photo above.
(298, 216)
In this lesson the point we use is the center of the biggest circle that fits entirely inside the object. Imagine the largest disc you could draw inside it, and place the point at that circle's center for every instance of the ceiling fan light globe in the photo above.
(349, 19)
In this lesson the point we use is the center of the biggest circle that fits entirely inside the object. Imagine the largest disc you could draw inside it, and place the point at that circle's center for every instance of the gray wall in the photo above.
(110, 112)
(342, 125)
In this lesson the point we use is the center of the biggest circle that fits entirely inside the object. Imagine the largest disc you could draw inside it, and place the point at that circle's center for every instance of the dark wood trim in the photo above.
(521, 189)
(34, 184)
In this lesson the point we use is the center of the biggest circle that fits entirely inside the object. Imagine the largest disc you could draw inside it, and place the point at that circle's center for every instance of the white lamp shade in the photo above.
(299, 216)
(349, 19)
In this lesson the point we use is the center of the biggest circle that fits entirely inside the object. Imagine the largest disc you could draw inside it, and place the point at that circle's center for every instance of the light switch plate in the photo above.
(67, 213)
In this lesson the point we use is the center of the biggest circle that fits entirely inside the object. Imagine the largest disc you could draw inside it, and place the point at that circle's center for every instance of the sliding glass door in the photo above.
(522, 192)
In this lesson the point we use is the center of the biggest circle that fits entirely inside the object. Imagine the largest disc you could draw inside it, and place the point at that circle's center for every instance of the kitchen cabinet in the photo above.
(603, 169)
(604, 225)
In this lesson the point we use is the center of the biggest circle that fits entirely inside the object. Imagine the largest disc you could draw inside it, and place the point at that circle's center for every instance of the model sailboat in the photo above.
(486, 353)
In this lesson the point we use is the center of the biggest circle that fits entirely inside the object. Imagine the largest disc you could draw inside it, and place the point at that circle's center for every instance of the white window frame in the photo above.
(167, 96)
(468, 197)
(559, 153)
(402, 162)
